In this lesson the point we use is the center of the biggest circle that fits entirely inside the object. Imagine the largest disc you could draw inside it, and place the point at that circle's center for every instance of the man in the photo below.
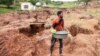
(58, 25)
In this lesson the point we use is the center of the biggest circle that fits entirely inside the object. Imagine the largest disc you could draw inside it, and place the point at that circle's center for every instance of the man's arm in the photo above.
(55, 22)
(63, 24)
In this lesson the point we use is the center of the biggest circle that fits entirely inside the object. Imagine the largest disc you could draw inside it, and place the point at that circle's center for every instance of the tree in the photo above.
(7, 2)
(85, 1)
(42, 1)
(34, 1)
(46, 1)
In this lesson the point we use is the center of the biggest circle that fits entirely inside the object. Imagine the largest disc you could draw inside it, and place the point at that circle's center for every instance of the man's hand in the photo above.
(53, 31)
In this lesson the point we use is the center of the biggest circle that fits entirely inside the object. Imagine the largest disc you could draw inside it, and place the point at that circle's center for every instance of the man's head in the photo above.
(60, 13)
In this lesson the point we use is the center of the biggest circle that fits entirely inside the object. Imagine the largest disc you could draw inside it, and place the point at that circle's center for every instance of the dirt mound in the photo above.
(84, 26)
(17, 36)
(76, 30)
(83, 45)
(98, 45)
(8, 18)
(87, 17)
(17, 30)
(15, 43)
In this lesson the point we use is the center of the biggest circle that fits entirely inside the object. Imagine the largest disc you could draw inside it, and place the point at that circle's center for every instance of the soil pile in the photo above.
(17, 36)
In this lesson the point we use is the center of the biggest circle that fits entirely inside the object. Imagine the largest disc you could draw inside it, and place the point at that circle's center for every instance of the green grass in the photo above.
(4, 9)
(64, 5)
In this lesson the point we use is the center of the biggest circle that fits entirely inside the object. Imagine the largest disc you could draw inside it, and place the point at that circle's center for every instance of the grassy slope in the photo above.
(4, 9)
(64, 5)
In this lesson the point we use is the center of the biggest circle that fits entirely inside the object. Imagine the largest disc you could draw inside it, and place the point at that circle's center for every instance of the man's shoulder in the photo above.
(57, 18)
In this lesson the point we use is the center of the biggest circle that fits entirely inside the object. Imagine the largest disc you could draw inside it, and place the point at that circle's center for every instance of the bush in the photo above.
(34, 1)
(47, 1)
(85, 1)
(7, 2)
(57, 3)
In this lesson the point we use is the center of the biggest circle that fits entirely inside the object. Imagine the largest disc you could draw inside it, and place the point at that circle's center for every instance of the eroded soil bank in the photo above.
(18, 38)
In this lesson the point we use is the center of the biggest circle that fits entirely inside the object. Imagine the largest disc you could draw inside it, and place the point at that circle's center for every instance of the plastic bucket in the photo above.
(61, 34)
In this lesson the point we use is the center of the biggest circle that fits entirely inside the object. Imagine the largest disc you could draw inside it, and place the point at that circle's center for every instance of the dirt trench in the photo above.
(17, 32)
(22, 42)
(15, 43)
(27, 39)
(76, 30)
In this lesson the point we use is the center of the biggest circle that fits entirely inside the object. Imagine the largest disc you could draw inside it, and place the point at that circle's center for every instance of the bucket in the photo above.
(61, 34)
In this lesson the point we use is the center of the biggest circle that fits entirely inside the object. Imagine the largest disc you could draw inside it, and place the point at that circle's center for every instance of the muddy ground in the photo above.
(20, 37)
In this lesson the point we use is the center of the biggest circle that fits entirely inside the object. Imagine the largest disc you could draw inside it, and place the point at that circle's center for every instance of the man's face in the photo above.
(61, 15)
